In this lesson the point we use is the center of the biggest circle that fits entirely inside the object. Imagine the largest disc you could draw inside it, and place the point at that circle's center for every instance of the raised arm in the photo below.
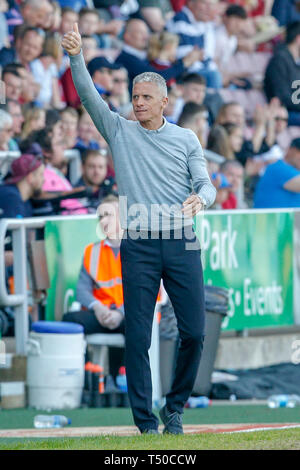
(105, 120)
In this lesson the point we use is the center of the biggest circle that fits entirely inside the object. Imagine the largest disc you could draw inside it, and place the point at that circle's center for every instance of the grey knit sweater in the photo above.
(156, 170)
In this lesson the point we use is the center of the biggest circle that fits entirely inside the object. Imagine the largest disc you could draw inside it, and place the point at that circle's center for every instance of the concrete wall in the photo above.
(257, 351)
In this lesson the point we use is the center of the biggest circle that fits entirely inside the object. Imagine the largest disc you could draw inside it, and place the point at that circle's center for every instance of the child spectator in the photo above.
(45, 72)
(234, 172)
(86, 134)
(218, 142)
(223, 187)
(162, 51)
(6, 132)
(34, 120)
(69, 121)
(14, 109)
(235, 138)
(68, 18)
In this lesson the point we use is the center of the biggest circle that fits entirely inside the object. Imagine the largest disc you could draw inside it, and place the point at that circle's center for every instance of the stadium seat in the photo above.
(98, 340)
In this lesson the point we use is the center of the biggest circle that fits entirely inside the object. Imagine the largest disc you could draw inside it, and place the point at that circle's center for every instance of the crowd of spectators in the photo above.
(232, 70)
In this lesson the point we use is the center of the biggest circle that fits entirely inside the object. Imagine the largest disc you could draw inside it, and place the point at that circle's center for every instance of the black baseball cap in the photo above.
(295, 143)
(99, 63)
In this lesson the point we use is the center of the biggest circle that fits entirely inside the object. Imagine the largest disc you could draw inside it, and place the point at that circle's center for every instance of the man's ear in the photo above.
(165, 102)
(29, 178)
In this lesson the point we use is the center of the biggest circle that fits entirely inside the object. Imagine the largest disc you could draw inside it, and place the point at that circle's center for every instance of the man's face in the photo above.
(67, 21)
(281, 120)
(148, 102)
(15, 111)
(58, 158)
(30, 47)
(36, 180)
(120, 82)
(194, 92)
(108, 214)
(69, 124)
(204, 10)
(201, 122)
(6, 134)
(4, 5)
(235, 176)
(30, 89)
(222, 195)
(235, 26)
(95, 170)
(38, 17)
(236, 139)
(103, 78)
(13, 86)
(39, 122)
(235, 114)
(57, 133)
(137, 35)
(89, 48)
(86, 128)
(88, 24)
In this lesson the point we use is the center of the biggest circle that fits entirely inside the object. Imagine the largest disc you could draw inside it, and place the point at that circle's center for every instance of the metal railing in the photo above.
(19, 300)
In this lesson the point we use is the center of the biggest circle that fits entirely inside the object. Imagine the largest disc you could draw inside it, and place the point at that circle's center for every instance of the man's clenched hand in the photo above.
(192, 205)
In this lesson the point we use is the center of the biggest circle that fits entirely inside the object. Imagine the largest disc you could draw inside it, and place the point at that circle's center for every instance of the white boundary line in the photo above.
(269, 428)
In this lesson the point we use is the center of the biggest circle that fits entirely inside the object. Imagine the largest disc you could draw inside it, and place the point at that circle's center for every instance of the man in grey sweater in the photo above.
(162, 183)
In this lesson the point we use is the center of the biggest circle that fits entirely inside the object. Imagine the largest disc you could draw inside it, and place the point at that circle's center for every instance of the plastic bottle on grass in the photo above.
(50, 421)
(198, 402)
(283, 401)
(121, 380)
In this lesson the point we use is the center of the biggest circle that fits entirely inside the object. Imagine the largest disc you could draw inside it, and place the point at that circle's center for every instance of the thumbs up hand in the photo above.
(71, 41)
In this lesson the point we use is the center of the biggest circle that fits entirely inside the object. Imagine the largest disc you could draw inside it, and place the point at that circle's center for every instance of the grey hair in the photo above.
(5, 119)
(152, 77)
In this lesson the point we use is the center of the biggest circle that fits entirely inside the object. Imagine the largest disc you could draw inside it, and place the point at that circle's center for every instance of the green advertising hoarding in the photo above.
(65, 241)
(250, 253)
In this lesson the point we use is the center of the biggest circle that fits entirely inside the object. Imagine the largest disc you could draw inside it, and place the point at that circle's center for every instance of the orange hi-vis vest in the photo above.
(105, 269)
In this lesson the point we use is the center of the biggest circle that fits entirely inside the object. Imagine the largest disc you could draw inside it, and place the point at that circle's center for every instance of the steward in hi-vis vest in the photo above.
(104, 267)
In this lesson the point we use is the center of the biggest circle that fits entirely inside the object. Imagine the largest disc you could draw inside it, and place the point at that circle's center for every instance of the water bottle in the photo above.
(50, 421)
(121, 380)
(75, 307)
(198, 402)
(283, 401)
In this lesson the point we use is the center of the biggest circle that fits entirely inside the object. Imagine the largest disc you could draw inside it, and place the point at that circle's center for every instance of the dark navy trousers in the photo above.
(145, 261)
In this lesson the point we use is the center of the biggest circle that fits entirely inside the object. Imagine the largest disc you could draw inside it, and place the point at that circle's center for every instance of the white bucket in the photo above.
(55, 370)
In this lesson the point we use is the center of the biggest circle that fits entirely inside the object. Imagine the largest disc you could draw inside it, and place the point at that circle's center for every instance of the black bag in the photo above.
(5, 323)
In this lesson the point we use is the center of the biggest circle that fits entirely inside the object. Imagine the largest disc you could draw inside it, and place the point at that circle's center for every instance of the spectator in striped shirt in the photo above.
(196, 26)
